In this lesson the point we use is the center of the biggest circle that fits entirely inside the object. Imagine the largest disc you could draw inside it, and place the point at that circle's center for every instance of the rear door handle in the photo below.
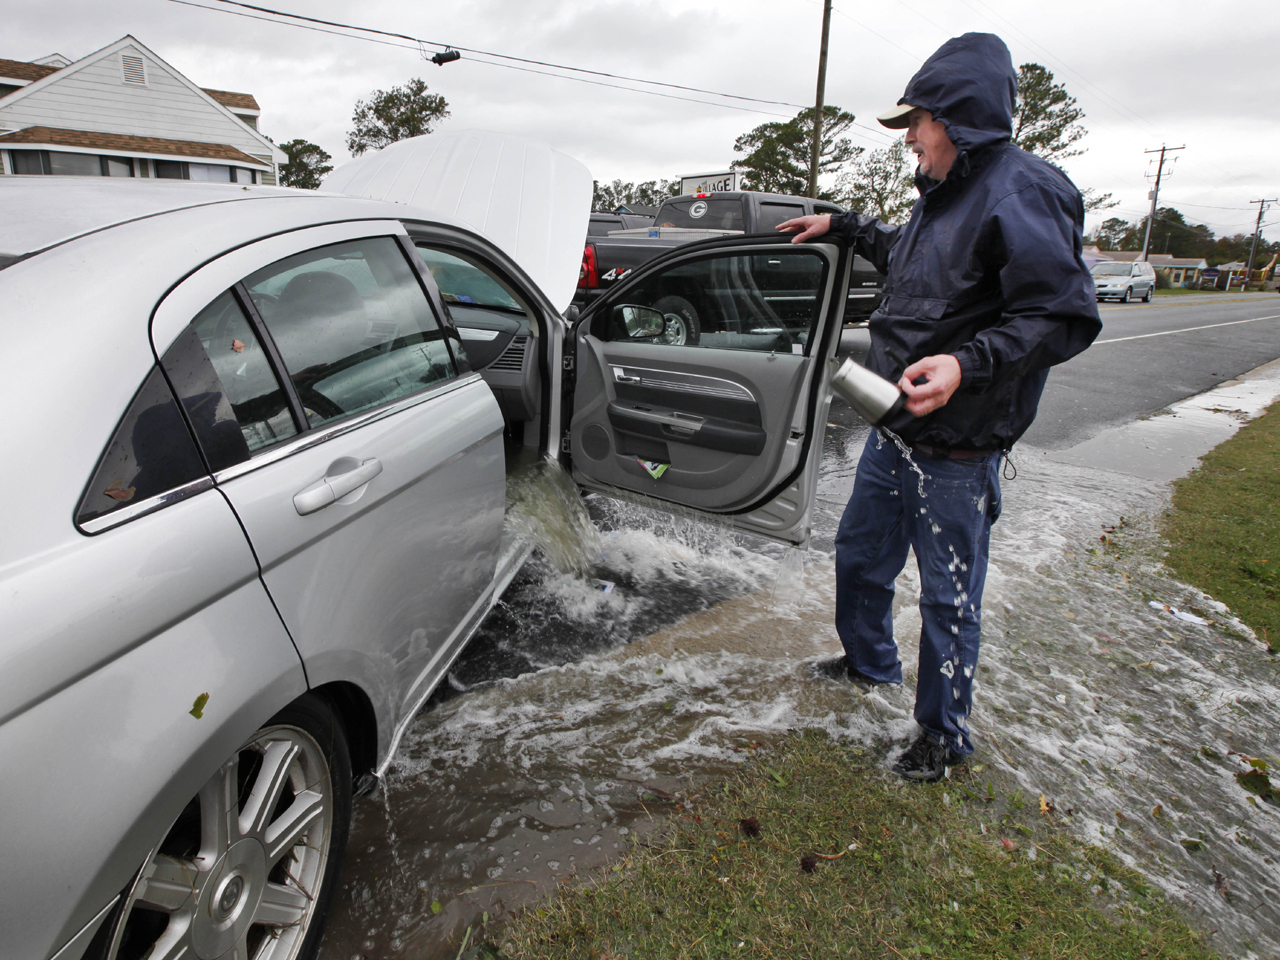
(326, 490)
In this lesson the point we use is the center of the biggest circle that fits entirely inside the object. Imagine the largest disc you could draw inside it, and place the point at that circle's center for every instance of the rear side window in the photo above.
(352, 325)
(772, 214)
(150, 453)
(220, 369)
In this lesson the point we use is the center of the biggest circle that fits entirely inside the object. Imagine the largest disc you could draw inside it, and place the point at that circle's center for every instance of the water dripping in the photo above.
(788, 588)
(906, 455)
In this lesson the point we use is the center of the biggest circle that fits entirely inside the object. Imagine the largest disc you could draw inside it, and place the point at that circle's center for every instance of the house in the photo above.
(124, 112)
(1182, 271)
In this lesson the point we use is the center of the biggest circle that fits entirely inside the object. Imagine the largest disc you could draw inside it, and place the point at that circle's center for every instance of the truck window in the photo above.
(772, 214)
(708, 214)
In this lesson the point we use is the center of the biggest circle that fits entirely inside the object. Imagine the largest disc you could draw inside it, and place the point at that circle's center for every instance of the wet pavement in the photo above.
(579, 716)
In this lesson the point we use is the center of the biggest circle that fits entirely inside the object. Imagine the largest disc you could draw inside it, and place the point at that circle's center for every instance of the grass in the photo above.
(1223, 526)
(851, 861)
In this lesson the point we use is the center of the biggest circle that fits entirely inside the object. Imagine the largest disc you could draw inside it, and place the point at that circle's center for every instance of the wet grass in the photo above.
(1223, 526)
(813, 850)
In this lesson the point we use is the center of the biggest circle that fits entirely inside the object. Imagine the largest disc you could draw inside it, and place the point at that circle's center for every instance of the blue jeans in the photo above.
(949, 527)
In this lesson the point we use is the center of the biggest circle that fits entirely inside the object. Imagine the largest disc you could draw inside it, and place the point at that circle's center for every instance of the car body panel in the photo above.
(531, 200)
(101, 756)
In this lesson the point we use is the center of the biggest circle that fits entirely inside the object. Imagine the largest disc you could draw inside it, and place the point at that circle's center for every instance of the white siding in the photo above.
(95, 97)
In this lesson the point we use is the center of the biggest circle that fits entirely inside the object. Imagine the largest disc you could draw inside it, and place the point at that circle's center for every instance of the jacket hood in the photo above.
(969, 84)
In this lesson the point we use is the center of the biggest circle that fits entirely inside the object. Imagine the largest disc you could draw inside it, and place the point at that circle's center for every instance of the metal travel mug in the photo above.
(873, 397)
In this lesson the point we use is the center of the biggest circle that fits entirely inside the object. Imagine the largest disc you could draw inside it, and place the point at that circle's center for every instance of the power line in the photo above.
(503, 56)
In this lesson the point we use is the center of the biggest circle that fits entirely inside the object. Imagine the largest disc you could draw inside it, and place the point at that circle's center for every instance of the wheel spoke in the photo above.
(218, 813)
(169, 885)
(282, 835)
(175, 942)
(281, 906)
(272, 777)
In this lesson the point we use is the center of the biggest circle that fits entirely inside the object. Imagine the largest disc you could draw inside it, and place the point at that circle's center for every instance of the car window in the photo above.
(709, 214)
(461, 281)
(352, 326)
(150, 453)
(772, 214)
(764, 301)
(222, 373)
(1110, 269)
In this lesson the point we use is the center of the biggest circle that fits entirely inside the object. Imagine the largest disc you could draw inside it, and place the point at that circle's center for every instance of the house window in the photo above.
(62, 164)
(215, 172)
(171, 170)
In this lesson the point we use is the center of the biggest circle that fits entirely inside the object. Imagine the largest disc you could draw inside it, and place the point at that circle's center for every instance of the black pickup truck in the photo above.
(607, 259)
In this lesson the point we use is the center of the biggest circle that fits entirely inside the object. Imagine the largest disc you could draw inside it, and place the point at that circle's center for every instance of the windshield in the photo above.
(709, 214)
(1110, 269)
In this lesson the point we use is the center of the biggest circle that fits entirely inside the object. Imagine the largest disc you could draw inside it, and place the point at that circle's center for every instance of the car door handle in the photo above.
(326, 490)
(679, 421)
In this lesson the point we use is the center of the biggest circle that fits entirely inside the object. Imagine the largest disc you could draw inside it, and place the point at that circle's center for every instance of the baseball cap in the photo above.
(896, 119)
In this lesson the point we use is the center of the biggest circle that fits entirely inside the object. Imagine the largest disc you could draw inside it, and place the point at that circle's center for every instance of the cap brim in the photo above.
(896, 119)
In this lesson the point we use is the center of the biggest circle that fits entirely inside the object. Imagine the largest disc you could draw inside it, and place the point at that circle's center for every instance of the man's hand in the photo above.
(812, 225)
(942, 376)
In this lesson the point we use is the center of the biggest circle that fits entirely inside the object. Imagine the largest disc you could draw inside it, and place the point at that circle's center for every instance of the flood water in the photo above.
(587, 706)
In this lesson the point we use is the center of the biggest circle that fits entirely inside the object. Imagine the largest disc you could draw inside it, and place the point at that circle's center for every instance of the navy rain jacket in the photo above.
(989, 266)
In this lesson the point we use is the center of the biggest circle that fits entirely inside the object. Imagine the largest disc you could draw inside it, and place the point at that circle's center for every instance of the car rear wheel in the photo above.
(1128, 295)
(681, 327)
(249, 867)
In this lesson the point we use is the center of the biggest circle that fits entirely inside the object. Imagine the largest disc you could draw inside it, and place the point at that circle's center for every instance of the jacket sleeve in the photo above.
(872, 238)
(1050, 307)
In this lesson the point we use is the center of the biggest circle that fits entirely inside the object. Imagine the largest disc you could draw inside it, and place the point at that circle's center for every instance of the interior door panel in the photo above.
(733, 416)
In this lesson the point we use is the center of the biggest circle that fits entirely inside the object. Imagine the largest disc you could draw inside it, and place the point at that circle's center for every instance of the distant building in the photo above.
(124, 112)
(1182, 271)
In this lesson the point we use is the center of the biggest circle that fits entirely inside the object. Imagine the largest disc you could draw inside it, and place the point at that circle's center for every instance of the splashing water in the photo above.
(1084, 693)
(543, 506)
(906, 455)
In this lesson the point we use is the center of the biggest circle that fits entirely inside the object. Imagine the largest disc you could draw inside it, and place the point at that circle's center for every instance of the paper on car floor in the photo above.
(653, 468)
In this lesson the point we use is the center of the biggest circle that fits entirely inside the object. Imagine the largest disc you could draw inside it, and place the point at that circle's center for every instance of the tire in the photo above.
(682, 326)
(209, 890)
(1146, 297)
(1128, 295)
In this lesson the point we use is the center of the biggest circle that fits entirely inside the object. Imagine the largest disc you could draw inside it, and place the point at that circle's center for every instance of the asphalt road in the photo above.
(1147, 357)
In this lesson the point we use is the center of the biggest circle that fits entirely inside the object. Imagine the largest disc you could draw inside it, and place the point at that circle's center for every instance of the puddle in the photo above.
(579, 717)
(1169, 444)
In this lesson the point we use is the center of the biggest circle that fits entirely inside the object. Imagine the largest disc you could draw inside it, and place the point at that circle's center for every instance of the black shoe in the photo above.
(926, 760)
(839, 668)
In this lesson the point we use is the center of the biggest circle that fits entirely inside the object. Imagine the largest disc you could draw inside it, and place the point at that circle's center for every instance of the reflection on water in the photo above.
(578, 714)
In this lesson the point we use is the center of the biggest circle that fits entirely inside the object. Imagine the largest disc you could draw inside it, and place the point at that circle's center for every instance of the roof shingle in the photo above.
(233, 101)
(94, 140)
(19, 70)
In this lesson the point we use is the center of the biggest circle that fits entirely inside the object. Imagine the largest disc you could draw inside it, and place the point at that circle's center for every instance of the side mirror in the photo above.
(641, 323)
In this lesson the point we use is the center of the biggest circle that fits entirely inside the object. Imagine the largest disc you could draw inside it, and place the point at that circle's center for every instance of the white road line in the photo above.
(1165, 333)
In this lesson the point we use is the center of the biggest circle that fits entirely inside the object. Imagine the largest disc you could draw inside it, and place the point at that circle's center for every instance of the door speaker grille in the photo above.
(595, 441)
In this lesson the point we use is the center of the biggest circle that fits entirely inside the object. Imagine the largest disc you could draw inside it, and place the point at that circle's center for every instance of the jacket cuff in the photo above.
(972, 375)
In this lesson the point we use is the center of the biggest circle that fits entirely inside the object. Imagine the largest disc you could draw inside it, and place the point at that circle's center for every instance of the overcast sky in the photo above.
(1177, 72)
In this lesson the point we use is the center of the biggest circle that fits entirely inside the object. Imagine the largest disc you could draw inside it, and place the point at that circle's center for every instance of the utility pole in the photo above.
(1155, 194)
(816, 147)
(1257, 229)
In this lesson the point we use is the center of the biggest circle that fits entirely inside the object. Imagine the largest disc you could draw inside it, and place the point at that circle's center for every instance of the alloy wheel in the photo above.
(238, 875)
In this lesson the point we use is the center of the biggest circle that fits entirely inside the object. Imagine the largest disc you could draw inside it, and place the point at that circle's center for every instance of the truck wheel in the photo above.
(682, 327)
(250, 866)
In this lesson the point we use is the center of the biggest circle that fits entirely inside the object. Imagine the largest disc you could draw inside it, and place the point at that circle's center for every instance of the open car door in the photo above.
(702, 382)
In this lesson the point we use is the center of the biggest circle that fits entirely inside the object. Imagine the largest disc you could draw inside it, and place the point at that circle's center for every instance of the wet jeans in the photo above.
(949, 528)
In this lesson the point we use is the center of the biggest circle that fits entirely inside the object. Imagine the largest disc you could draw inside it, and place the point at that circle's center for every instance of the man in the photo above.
(985, 290)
